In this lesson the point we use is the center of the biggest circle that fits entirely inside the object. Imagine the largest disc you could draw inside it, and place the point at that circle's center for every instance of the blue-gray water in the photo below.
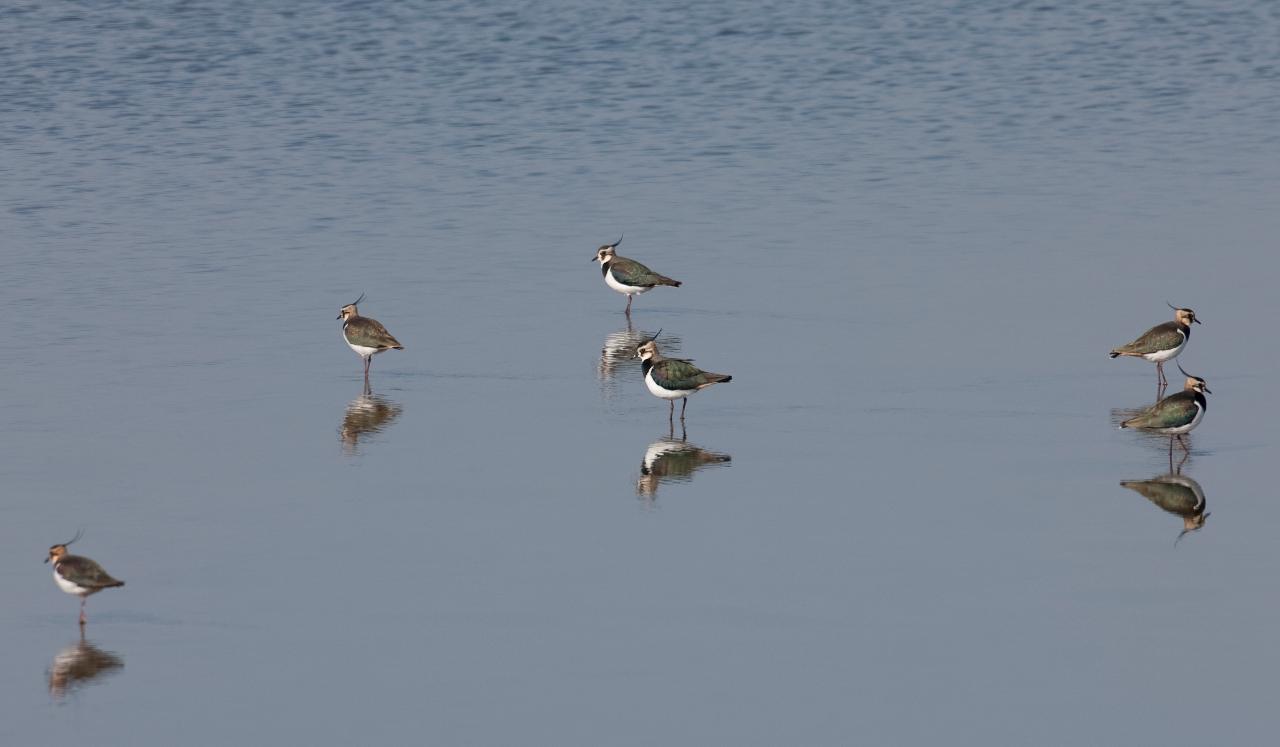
(911, 231)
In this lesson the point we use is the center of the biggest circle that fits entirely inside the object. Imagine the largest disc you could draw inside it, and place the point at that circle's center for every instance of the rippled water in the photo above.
(911, 232)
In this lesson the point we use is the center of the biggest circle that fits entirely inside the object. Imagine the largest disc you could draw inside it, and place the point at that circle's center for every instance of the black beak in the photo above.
(1207, 390)
(1197, 321)
(46, 559)
(339, 316)
(593, 259)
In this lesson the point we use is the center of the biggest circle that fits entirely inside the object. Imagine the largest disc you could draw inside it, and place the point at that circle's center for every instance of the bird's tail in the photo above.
(664, 280)
(1115, 353)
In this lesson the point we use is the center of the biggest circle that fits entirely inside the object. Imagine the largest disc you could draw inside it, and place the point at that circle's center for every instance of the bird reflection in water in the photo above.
(78, 665)
(619, 351)
(673, 460)
(1176, 494)
(368, 413)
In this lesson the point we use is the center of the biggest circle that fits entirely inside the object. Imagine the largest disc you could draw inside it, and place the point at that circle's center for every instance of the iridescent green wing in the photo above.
(679, 375)
(1173, 411)
(631, 272)
(1160, 337)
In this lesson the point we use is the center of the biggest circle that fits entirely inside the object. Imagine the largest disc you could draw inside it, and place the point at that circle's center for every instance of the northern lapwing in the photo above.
(1162, 342)
(672, 378)
(367, 337)
(1176, 494)
(1176, 414)
(628, 276)
(78, 575)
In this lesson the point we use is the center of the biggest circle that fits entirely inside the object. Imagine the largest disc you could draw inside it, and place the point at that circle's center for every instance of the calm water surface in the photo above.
(911, 232)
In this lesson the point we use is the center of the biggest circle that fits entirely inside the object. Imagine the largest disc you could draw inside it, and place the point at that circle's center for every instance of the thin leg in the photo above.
(671, 414)
(83, 619)
(1183, 444)
(686, 404)
(1160, 379)
(628, 311)
(367, 361)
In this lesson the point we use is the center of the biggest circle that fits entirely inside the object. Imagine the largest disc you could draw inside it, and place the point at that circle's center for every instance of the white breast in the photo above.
(66, 585)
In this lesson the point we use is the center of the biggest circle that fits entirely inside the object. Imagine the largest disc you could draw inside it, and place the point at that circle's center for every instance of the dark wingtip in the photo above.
(726, 380)
(1114, 354)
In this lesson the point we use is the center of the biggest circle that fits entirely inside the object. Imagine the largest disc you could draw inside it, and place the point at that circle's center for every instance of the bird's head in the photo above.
(606, 253)
(57, 552)
(1194, 383)
(350, 310)
(1184, 316)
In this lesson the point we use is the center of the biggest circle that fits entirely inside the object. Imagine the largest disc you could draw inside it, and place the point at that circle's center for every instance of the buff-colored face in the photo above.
(1197, 384)
(55, 553)
(647, 350)
(348, 311)
(1187, 316)
(604, 253)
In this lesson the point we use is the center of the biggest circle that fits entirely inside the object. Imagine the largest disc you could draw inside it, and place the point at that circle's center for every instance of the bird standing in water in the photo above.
(1176, 414)
(367, 337)
(628, 276)
(78, 575)
(672, 378)
(1161, 343)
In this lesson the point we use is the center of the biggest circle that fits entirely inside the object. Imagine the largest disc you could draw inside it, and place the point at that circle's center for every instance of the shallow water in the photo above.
(911, 233)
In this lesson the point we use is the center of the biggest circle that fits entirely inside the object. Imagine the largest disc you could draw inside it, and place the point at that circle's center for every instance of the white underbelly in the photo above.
(658, 391)
(1166, 355)
(630, 290)
(361, 350)
(67, 586)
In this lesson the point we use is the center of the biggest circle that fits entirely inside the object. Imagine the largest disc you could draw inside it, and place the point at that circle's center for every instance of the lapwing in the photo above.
(1176, 414)
(1162, 342)
(78, 575)
(628, 276)
(1176, 494)
(367, 337)
(672, 378)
